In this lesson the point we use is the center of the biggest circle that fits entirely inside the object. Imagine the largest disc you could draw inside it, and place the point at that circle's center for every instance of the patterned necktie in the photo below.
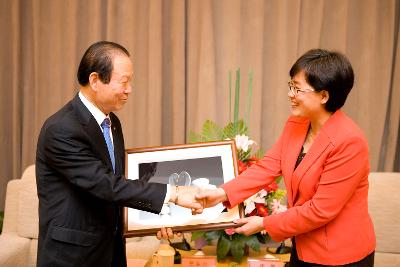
(105, 125)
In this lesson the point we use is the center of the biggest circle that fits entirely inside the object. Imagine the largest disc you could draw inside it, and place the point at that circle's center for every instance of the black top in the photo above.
(300, 157)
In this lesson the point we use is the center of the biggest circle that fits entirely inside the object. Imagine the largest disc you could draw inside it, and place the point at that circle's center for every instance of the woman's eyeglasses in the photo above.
(296, 90)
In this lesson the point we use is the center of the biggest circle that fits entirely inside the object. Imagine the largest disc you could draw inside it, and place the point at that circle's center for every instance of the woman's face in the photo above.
(305, 101)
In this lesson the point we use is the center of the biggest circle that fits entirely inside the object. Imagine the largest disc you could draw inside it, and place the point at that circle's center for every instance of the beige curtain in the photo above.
(389, 156)
(268, 36)
(182, 52)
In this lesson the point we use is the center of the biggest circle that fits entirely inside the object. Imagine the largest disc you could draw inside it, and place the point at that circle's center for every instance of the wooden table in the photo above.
(211, 251)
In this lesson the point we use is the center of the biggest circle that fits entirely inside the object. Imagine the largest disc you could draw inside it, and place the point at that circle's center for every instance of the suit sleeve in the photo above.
(344, 169)
(70, 154)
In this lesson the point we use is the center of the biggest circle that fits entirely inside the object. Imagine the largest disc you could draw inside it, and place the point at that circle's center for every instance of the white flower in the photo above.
(250, 206)
(243, 142)
(277, 207)
(256, 198)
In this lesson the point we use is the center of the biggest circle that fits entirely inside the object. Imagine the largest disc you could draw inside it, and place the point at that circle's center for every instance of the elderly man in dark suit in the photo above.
(80, 165)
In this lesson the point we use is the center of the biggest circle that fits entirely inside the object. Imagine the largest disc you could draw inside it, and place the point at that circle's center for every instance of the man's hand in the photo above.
(210, 197)
(251, 225)
(185, 196)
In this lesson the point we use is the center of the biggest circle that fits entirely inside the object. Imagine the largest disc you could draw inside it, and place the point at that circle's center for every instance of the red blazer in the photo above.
(327, 193)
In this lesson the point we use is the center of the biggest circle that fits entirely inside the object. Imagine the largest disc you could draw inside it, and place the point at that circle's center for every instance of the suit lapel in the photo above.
(296, 140)
(98, 141)
(321, 143)
(93, 130)
(317, 148)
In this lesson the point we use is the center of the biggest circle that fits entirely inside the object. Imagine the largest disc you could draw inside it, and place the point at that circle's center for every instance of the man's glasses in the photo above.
(296, 90)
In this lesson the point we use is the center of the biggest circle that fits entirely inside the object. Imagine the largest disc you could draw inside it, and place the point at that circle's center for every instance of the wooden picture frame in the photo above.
(215, 160)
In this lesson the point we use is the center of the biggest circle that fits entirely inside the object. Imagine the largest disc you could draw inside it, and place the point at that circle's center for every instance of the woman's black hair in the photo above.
(329, 71)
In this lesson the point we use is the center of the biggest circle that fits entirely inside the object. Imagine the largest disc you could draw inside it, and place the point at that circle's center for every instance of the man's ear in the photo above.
(324, 96)
(93, 80)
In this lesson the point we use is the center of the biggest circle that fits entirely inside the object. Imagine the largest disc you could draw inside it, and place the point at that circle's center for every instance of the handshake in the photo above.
(197, 197)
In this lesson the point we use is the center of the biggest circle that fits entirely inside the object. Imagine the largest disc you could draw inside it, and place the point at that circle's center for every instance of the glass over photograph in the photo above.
(202, 165)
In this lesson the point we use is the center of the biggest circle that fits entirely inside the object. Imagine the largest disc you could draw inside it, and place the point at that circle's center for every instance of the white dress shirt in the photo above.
(99, 117)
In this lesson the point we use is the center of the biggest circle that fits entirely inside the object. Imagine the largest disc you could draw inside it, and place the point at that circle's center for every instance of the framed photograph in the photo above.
(204, 165)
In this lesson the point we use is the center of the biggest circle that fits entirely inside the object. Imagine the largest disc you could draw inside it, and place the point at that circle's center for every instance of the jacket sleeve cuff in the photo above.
(269, 228)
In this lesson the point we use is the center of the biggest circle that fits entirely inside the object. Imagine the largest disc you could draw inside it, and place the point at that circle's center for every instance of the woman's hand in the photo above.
(210, 197)
(251, 225)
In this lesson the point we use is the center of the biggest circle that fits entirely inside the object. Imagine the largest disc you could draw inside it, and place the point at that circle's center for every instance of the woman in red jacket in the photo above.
(323, 157)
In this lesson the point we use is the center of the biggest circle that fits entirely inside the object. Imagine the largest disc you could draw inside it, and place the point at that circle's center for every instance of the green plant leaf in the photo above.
(278, 195)
(223, 247)
(211, 131)
(237, 97)
(260, 154)
(253, 242)
(211, 235)
(230, 131)
(244, 156)
(194, 137)
(230, 94)
(242, 128)
(237, 246)
(197, 234)
(278, 180)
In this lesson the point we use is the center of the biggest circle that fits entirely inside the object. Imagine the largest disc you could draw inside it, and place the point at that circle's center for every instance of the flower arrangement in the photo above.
(264, 203)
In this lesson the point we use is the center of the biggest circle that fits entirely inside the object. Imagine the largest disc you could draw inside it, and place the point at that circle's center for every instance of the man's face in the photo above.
(112, 96)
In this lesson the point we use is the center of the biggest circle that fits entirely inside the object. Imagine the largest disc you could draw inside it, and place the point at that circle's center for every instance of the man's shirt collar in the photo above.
(97, 113)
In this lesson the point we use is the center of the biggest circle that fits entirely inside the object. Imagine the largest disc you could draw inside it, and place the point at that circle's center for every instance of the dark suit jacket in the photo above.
(80, 197)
